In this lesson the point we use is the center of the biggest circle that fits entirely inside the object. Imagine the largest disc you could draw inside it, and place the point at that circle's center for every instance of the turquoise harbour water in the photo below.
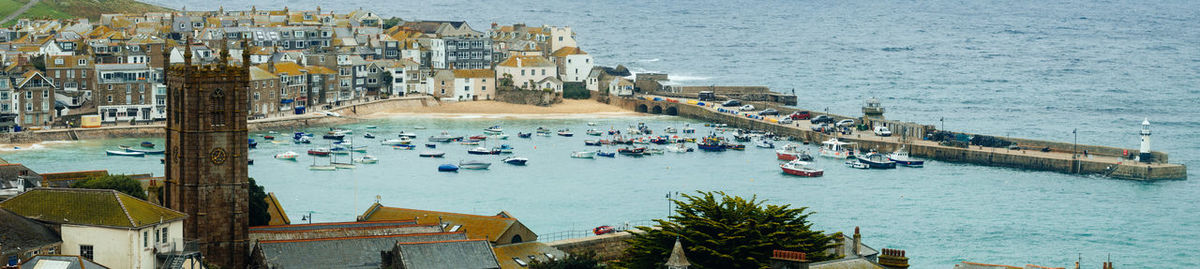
(1034, 69)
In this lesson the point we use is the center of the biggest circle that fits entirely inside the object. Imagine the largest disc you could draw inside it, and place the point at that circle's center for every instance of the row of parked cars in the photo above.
(820, 122)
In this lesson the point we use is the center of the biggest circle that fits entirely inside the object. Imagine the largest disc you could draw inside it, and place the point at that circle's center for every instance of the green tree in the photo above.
(121, 183)
(258, 205)
(721, 231)
(582, 260)
(390, 22)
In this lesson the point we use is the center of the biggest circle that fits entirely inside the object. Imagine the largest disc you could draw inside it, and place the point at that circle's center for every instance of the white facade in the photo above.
(523, 73)
(464, 88)
(577, 67)
(562, 37)
(437, 53)
(120, 247)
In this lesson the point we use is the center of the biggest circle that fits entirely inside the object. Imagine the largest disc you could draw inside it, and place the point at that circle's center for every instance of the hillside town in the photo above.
(55, 72)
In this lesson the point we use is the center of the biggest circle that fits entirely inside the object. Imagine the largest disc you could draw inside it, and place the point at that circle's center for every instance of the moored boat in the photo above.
(404, 147)
(515, 160)
(565, 132)
(877, 161)
(654, 151)
(302, 140)
(670, 130)
(591, 143)
(791, 152)
(711, 143)
(430, 145)
(679, 148)
(632, 151)
(317, 167)
(474, 165)
(494, 129)
(583, 154)
(478, 137)
(524, 135)
(902, 158)
(445, 137)
(147, 144)
(408, 135)
(124, 153)
(395, 142)
(447, 167)
(146, 151)
(606, 154)
(483, 151)
(319, 152)
(471, 142)
(766, 144)
(505, 148)
(367, 159)
(368, 135)
(334, 136)
(854, 163)
(834, 148)
(542, 130)
(287, 156)
(594, 132)
(432, 154)
(253, 144)
(801, 168)
(736, 146)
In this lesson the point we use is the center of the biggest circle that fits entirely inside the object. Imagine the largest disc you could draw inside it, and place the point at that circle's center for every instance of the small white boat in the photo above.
(902, 158)
(343, 165)
(835, 149)
(498, 136)
(322, 167)
(591, 124)
(396, 142)
(418, 127)
(359, 149)
(679, 148)
(432, 154)
(367, 159)
(124, 153)
(654, 151)
(854, 163)
(474, 165)
(494, 129)
(594, 132)
(670, 130)
(764, 144)
(291, 156)
(515, 160)
(408, 135)
(584, 154)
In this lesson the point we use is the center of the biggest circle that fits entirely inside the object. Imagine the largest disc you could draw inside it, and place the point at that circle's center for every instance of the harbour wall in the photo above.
(607, 246)
(348, 114)
(1028, 159)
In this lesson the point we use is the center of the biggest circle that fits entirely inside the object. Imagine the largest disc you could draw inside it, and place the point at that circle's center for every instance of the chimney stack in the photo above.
(789, 259)
(893, 259)
(857, 242)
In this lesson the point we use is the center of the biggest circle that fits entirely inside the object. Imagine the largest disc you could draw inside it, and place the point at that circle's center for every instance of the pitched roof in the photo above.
(539, 251)
(61, 261)
(476, 226)
(92, 207)
(257, 73)
(278, 216)
(677, 257)
(329, 225)
(474, 73)
(526, 61)
(313, 69)
(447, 254)
(564, 51)
(342, 252)
(22, 233)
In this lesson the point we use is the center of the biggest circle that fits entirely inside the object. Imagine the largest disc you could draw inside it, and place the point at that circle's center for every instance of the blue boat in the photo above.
(147, 144)
(515, 160)
(449, 167)
(253, 144)
(711, 144)
(431, 146)
(606, 154)
(877, 161)
(524, 135)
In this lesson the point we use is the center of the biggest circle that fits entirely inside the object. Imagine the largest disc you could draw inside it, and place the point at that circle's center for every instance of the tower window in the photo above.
(216, 110)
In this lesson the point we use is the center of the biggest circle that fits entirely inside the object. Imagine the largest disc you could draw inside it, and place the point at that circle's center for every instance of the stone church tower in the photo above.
(206, 154)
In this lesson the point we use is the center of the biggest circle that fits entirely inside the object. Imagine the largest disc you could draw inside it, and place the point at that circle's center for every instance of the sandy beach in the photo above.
(494, 109)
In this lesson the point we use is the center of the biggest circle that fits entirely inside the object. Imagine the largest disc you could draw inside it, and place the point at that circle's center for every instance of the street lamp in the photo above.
(1075, 146)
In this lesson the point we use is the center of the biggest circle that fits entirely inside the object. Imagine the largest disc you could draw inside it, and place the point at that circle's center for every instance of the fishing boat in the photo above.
(792, 152)
(741, 137)
(877, 161)
(542, 130)
(474, 165)
(403, 134)
(670, 130)
(594, 132)
(515, 160)
(395, 142)
(679, 148)
(124, 153)
(583, 154)
(146, 151)
(606, 154)
(736, 146)
(524, 135)
(319, 152)
(711, 143)
(341, 131)
(445, 137)
(483, 151)
(854, 163)
(404, 147)
(470, 142)
(494, 129)
(268, 137)
(766, 144)
(432, 154)
(447, 167)
(368, 136)
(505, 148)
(591, 143)
(334, 136)
(478, 137)
(632, 151)
(253, 144)
(689, 130)
(291, 156)
(302, 140)
(367, 159)
(902, 158)
(565, 132)
(430, 145)
(834, 148)
(801, 168)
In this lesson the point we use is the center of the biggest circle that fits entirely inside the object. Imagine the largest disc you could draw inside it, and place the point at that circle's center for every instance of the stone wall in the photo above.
(607, 247)
(524, 97)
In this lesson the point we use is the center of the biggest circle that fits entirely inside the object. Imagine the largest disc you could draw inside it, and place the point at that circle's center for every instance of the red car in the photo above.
(603, 230)
(800, 115)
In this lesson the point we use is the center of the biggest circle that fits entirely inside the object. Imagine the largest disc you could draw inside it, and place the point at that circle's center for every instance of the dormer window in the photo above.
(82, 62)
(58, 61)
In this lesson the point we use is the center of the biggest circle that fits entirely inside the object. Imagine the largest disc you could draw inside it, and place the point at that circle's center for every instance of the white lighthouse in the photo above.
(1144, 152)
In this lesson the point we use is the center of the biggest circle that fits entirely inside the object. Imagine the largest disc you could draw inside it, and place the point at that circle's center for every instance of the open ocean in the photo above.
(1034, 69)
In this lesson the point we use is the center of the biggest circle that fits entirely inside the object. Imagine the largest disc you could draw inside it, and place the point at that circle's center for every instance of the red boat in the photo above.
(791, 152)
(800, 168)
(603, 230)
(319, 152)
(479, 137)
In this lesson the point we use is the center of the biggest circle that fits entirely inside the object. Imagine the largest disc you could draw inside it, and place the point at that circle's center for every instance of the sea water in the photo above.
(1033, 69)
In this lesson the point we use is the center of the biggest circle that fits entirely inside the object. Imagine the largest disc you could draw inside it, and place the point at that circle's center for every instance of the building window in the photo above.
(86, 251)
(45, 93)
(522, 72)
(543, 72)
(483, 88)
(110, 98)
(217, 115)
(164, 235)
(29, 95)
(145, 239)
(82, 62)
(58, 61)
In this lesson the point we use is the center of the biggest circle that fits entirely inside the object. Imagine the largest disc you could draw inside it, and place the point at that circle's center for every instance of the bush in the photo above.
(121, 183)
(258, 205)
(576, 90)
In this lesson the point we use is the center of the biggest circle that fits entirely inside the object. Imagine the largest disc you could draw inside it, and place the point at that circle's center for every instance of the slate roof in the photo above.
(343, 252)
(854, 263)
(476, 226)
(91, 207)
(330, 225)
(13, 170)
(60, 262)
(18, 233)
(506, 253)
(455, 254)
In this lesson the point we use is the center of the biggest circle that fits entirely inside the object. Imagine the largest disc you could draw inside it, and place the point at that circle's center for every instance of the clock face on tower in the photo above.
(218, 156)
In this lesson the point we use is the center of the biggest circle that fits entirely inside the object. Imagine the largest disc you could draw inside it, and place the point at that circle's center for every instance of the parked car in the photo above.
(785, 121)
(746, 108)
(732, 102)
(821, 119)
(882, 131)
(706, 96)
(800, 115)
(768, 111)
(820, 127)
(844, 123)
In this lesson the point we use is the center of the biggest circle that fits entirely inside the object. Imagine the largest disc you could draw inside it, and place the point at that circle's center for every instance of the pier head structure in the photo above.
(1063, 157)
(206, 158)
